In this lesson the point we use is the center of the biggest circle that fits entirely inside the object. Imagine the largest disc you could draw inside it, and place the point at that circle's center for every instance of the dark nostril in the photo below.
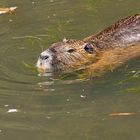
(44, 57)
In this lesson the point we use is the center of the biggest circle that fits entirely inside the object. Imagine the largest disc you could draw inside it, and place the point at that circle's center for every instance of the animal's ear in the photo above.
(65, 40)
(89, 48)
(69, 40)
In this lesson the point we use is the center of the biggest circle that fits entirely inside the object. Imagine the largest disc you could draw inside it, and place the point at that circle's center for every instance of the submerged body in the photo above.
(114, 45)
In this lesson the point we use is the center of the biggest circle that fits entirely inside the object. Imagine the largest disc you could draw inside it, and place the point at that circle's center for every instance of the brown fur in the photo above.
(111, 47)
(118, 34)
(109, 60)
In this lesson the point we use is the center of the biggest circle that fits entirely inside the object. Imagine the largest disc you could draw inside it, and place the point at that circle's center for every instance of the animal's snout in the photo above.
(44, 62)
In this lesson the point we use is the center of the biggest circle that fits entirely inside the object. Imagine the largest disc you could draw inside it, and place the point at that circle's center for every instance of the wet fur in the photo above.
(111, 59)
(113, 46)
(123, 33)
(118, 44)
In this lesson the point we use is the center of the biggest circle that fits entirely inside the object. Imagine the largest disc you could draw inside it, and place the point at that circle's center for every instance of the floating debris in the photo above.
(6, 105)
(33, 2)
(133, 71)
(136, 74)
(7, 10)
(122, 114)
(83, 96)
(68, 112)
(48, 117)
(51, 0)
(12, 110)
(68, 100)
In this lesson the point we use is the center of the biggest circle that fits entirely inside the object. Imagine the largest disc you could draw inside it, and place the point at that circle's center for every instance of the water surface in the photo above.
(39, 108)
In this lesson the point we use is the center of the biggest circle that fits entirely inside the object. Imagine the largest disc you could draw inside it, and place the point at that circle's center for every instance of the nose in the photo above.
(44, 57)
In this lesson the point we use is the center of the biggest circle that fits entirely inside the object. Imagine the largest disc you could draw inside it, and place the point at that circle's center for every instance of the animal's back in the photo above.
(123, 33)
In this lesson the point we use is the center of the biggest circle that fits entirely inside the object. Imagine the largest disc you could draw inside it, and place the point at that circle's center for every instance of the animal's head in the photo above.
(67, 56)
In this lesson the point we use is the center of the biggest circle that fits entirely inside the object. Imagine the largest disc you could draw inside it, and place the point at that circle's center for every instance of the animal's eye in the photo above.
(71, 50)
(89, 48)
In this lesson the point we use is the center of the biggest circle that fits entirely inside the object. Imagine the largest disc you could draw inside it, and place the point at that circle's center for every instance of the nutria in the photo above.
(114, 45)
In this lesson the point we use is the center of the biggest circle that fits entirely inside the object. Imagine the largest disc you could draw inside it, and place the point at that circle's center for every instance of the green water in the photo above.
(63, 110)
